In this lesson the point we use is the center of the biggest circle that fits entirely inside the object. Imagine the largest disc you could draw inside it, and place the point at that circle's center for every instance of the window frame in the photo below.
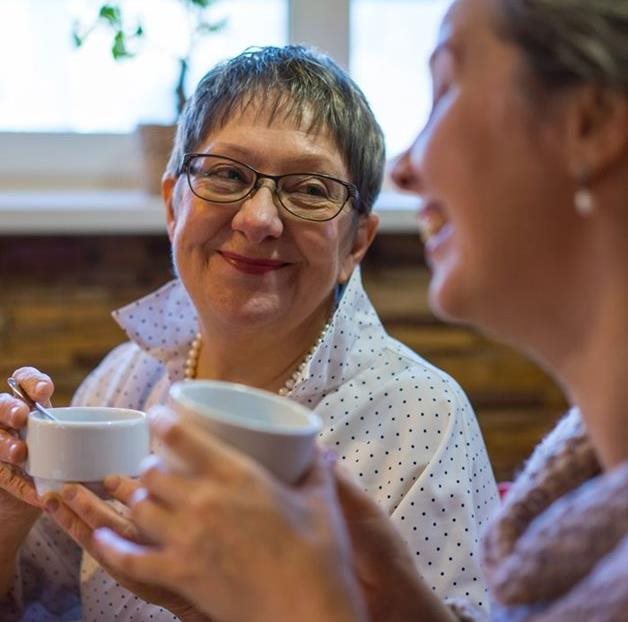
(78, 195)
(57, 159)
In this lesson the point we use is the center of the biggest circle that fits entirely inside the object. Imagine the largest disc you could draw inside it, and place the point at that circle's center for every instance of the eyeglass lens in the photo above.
(310, 196)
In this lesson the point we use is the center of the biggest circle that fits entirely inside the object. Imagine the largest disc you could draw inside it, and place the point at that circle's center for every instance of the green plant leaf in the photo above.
(202, 3)
(77, 40)
(139, 31)
(119, 49)
(111, 14)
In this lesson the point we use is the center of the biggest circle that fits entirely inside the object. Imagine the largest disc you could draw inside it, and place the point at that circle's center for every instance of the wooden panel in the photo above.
(511, 433)
(57, 296)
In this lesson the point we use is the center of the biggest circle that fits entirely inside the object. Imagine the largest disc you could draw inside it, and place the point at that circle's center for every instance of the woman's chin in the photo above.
(456, 298)
(447, 297)
(256, 312)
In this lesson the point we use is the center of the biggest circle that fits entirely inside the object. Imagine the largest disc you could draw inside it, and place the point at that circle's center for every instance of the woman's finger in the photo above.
(162, 484)
(138, 562)
(68, 520)
(38, 385)
(72, 524)
(121, 488)
(320, 473)
(18, 484)
(12, 449)
(13, 412)
(95, 512)
(153, 519)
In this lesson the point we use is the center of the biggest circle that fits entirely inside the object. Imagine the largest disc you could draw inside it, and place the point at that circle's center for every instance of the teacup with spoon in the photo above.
(81, 443)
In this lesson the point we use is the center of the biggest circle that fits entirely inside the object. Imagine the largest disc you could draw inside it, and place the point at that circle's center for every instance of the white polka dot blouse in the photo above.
(403, 428)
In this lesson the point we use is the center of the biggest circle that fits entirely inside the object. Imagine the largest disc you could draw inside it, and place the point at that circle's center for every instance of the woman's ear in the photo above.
(365, 231)
(596, 130)
(168, 184)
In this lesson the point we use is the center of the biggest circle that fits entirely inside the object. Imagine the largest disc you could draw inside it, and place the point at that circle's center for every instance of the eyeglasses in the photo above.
(310, 196)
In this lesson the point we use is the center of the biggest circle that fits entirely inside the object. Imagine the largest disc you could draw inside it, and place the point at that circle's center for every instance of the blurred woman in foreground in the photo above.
(523, 171)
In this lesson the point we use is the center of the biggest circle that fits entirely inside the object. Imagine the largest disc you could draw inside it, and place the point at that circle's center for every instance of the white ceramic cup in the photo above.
(276, 431)
(84, 445)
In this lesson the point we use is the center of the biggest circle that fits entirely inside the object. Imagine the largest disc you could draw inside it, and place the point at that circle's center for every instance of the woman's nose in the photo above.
(405, 171)
(259, 214)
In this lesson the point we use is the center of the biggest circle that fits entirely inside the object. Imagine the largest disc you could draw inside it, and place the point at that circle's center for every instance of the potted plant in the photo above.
(155, 140)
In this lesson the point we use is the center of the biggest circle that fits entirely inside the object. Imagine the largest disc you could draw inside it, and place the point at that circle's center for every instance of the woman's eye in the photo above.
(227, 172)
(314, 190)
(306, 188)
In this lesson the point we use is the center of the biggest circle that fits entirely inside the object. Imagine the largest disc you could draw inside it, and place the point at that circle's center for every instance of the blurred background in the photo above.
(81, 225)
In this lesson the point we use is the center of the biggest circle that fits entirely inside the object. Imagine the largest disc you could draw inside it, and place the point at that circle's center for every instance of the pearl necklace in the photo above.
(191, 362)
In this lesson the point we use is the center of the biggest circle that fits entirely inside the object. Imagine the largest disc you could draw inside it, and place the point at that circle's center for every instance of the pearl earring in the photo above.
(583, 199)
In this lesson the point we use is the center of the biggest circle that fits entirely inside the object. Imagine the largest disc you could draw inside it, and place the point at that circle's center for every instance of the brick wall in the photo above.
(57, 292)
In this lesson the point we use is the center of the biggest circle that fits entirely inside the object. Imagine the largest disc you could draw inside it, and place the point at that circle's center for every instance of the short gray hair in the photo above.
(567, 42)
(294, 82)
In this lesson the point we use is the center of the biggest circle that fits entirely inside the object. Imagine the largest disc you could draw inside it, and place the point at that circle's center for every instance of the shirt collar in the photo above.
(164, 324)
(339, 356)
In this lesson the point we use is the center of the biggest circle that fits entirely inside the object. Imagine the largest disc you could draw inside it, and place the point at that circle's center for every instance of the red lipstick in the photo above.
(251, 265)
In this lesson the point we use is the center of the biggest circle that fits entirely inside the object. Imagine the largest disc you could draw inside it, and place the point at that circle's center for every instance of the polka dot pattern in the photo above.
(48, 576)
(401, 426)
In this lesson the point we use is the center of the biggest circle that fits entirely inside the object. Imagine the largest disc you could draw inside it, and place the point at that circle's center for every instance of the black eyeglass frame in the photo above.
(352, 190)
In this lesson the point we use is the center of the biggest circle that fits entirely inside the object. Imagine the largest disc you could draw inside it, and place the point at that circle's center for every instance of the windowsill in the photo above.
(84, 212)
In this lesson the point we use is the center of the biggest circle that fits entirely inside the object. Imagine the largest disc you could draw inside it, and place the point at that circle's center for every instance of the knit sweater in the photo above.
(557, 551)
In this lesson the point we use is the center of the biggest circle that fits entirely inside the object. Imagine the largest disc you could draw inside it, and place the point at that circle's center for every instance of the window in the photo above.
(51, 86)
(391, 41)
(48, 86)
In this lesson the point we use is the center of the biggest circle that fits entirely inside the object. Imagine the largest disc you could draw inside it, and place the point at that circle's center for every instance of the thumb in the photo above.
(321, 472)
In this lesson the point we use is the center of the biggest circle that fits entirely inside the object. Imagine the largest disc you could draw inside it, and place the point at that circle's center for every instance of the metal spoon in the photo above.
(32, 404)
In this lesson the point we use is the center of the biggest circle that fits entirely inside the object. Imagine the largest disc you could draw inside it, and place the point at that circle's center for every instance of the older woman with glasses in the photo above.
(268, 193)
(523, 168)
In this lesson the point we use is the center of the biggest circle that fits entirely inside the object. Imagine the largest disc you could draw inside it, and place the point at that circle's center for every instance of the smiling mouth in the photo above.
(431, 219)
(252, 265)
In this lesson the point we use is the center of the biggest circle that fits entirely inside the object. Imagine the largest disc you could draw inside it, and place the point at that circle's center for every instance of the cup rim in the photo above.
(137, 417)
(313, 424)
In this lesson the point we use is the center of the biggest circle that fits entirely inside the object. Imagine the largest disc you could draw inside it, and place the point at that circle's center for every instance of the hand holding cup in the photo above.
(279, 433)
(17, 492)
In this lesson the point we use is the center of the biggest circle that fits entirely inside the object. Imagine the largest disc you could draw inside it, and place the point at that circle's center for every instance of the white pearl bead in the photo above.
(583, 202)
(191, 362)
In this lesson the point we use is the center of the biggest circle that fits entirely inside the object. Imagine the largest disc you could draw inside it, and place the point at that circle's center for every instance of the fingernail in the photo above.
(68, 492)
(160, 417)
(138, 495)
(15, 411)
(51, 505)
(101, 535)
(111, 482)
(15, 417)
(41, 386)
(151, 461)
(15, 453)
